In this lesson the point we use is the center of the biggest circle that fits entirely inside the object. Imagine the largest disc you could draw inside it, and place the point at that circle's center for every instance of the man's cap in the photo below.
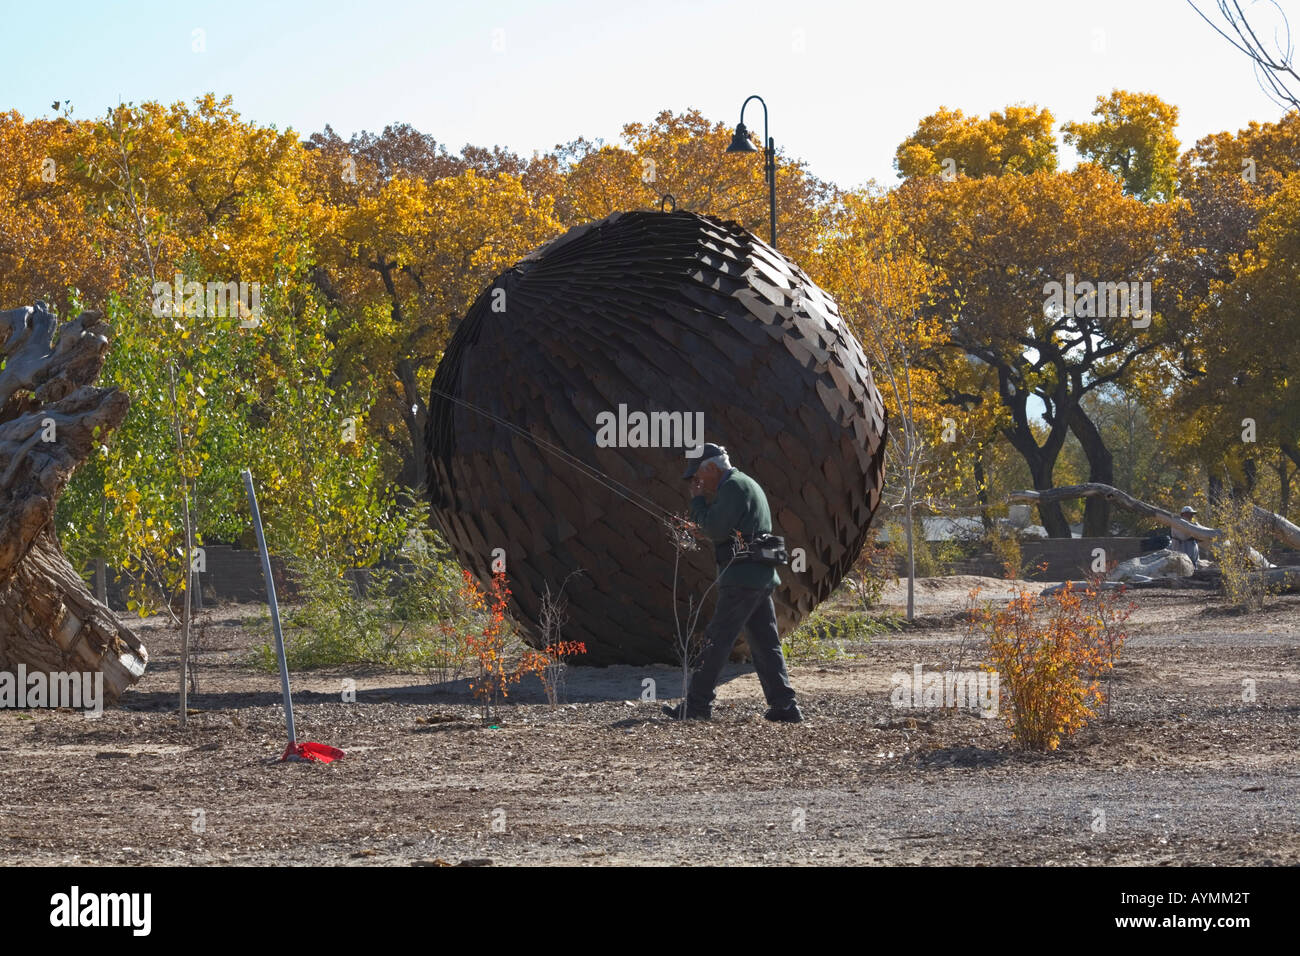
(709, 450)
(1188, 510)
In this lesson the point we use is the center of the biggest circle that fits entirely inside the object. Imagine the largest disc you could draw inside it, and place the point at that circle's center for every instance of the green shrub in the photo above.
(932, 558)
(822, 635)
(875, 568)
(1004, 542)
(1240, 553)
(407, 619)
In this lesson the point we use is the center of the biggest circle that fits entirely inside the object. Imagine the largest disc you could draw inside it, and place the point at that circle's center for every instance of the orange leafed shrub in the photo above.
(489, 647)
(549, 665)
(1050, 653)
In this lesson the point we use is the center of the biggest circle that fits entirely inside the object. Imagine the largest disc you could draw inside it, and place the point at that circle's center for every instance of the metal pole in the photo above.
(275, 607)
(771, 179)
(769, 164)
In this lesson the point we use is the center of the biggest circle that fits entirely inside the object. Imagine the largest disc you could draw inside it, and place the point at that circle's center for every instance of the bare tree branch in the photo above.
(1274, 63)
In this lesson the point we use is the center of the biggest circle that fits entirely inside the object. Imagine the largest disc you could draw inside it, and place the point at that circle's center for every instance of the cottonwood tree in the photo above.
(685, 154)
(197, 191)
(1133, 137)
(873, 267)
(402, 258)
(1000, 242)
(1216, 374)
(1018, 139)
(1245, 399)
(49, 241)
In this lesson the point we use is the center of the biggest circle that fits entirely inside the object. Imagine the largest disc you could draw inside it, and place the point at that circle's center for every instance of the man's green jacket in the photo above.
(739, 505)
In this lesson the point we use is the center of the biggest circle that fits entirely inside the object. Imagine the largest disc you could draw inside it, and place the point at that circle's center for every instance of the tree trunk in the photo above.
(911, 552)
(1040, 471)
(49, 621)
(982, 491)
(1101, 470)
(1249, 471)
(1049, 510)
(187, 611)
(1284, 486)
(51, 419)
(1040, 459)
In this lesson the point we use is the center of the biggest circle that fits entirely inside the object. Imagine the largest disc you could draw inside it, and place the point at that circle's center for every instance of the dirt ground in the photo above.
(1184, 771)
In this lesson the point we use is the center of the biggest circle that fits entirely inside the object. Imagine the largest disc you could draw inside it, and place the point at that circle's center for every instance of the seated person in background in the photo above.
(1181, 542)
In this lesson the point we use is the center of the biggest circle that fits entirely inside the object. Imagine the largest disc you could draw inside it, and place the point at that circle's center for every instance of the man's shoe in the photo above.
(676, 712)
(789, 714)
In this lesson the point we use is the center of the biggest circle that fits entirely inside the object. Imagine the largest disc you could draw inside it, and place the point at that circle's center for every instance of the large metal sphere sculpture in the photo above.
(646, 312)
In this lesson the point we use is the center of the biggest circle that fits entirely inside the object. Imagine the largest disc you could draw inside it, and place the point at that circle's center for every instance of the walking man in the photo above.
(724, 501)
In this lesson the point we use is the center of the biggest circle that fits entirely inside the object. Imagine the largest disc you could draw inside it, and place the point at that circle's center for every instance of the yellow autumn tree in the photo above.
(870, 262)
(1132, 136)
(1018, 139)
(214, 194)
(685, 155)
(1241, 402)
(1227, 185)
(49, 241)
(1007, 247)
(402, 259)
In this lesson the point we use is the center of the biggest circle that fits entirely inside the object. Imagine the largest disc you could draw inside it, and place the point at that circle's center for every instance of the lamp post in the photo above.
(740, 144)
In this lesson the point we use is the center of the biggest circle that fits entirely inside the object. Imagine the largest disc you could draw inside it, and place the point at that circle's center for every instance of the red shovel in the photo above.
(321, 753)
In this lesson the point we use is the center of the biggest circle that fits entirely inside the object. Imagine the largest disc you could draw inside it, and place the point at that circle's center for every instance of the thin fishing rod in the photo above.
(655, 510)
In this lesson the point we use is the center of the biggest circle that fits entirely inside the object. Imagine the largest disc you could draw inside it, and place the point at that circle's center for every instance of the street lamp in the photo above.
(740, 144)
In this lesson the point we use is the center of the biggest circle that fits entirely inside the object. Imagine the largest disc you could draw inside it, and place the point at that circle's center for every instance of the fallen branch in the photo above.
(1275, 524)
(1278, 526)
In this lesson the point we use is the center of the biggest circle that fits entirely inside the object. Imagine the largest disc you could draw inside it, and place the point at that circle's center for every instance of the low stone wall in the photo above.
(1072, 558)
(231, 575)
(1065, 558)
(235, 574)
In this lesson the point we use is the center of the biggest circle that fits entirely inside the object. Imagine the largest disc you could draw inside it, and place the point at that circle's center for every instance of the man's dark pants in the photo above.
(753, 610)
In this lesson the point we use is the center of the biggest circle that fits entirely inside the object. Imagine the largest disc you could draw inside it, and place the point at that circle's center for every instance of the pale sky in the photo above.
(845, 82)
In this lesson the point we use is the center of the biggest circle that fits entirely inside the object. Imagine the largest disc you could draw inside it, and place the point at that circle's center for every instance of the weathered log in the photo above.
(1278, 526)
(1275, 524)
(52, 418)
(1125, 500)
(1280, 580)
(657, 312)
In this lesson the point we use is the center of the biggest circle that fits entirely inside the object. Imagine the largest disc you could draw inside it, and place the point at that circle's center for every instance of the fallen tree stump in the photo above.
(52, 417)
